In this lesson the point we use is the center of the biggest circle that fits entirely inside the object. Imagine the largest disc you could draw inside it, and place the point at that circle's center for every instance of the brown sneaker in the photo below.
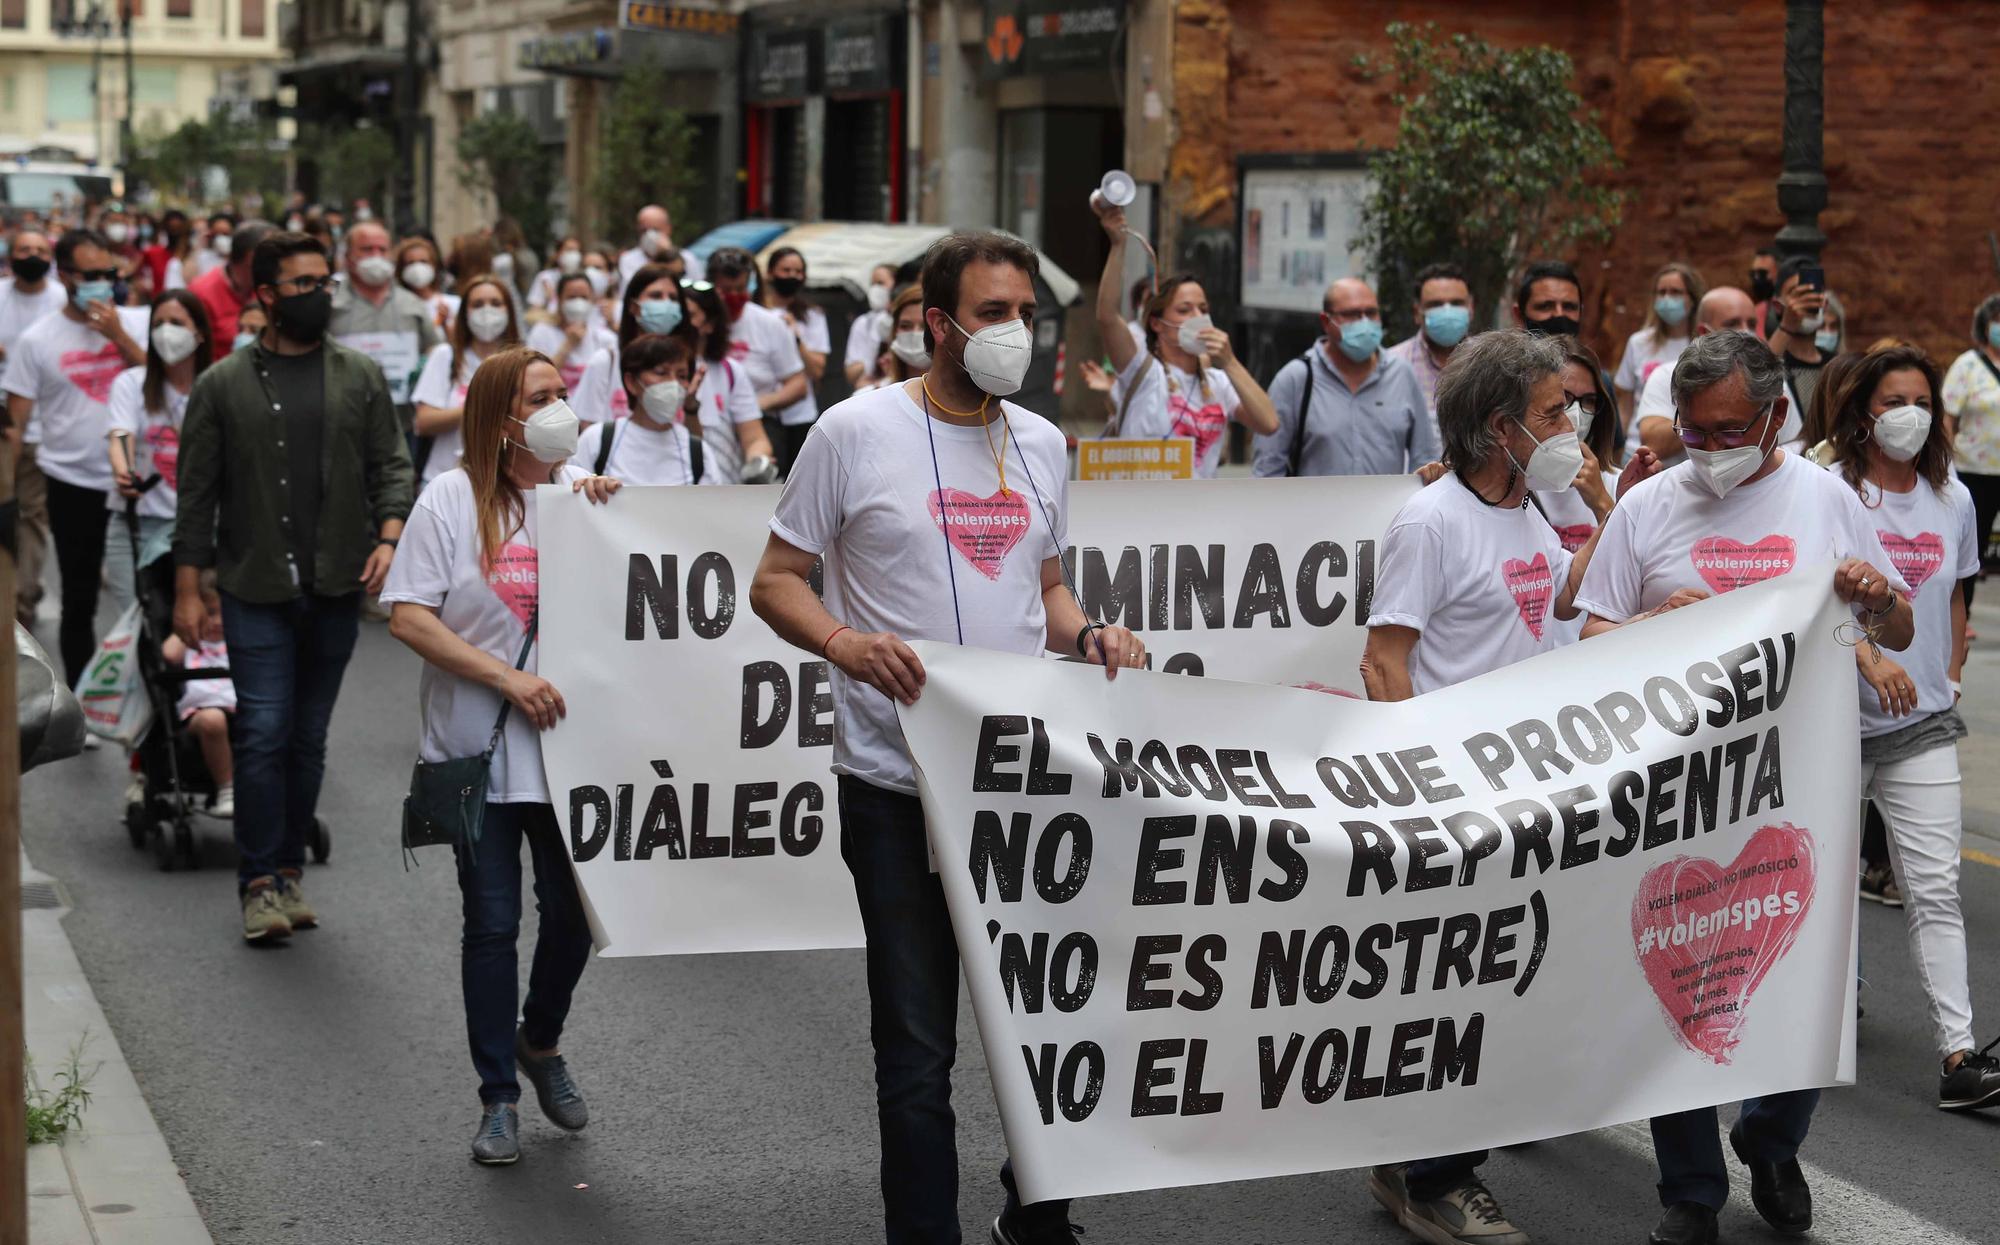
(292, 900)
(263, 915)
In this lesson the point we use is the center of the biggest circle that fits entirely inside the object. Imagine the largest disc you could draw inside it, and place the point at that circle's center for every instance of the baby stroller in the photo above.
(176, 780)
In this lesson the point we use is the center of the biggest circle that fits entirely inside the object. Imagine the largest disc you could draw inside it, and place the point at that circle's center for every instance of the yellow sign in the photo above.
(1168, 459)
(640, 15)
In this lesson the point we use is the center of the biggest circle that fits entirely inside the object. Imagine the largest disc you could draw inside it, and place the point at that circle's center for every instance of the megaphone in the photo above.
(1117, 189)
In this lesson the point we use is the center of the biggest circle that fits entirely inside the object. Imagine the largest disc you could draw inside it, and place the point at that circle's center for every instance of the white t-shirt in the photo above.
(864, 495)
(438, 565)
(866, 338)
(66, 369)
(598, 396)
(17, 312)
(1645, 354)
(436, 388)
(1657, 398)
(543, 288)
(1170, 403)
(1669, 532)
(727, 401)
(641, 455)
(1928, 536)
(813, 333)
(761, 345)
(156, 439)
(549, 339)
(1478, 583)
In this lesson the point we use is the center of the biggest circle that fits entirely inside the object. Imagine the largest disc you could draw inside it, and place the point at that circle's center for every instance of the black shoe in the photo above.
(1029, 1225)
(561, 1101)
(1685, 1223)
(1973, 1084)
(1777, 1190)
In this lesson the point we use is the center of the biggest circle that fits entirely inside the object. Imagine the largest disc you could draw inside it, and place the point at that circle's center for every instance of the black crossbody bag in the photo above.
(447, 800)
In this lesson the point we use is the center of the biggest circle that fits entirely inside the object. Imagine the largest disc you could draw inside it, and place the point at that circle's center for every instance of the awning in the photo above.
(361, 60)
(843, 253)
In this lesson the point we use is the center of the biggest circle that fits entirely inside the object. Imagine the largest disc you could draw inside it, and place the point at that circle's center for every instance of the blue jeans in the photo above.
(489, 966)
(912, 1013)
(1690, 1148)
(1430, 1179)
(286, 661)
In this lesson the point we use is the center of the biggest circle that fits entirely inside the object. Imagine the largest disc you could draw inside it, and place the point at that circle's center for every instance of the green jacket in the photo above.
(232, 511)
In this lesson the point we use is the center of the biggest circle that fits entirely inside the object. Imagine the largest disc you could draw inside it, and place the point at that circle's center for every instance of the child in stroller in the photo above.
(206, 705)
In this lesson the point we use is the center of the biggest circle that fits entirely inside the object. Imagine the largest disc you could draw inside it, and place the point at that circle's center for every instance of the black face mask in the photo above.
(787, 287)
(303, 317)
(29, 268)
(1554, 326)
(1762, 286)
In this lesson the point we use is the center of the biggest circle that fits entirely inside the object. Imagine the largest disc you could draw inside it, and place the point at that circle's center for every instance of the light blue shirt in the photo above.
(1382, 428)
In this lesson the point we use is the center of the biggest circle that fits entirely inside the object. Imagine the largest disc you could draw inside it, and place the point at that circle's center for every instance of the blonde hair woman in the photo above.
(464, 594)
(1676, 291)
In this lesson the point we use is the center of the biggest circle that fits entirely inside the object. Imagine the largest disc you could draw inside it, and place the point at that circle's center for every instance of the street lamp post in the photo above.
(1802, 185)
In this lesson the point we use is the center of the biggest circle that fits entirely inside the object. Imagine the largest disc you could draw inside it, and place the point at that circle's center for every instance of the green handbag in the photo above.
(447, 800)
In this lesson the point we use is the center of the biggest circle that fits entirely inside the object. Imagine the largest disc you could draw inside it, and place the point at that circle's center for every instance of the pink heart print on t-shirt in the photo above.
(1575, 536)
(1532, 584)
(983, 529)
(93, 370)
(1205, 424)
(1706, 934)
(515, 581)
(1726, 565)
(1917, 557)
(163, 441)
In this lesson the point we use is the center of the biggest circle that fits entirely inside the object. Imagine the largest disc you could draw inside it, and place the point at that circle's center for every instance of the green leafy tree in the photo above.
(501, 156)
(178, 162)
(354, 162)
(646, 155)
(1491, 168)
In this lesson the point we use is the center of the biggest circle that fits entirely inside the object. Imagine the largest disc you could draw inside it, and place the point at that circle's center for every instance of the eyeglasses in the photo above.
(93, 274)
(303, 285)
(1586, 402)
(1724, 438)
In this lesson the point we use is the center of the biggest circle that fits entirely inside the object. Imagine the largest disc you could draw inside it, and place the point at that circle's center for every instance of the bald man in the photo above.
(1723, 309)
(656, 241)
(1344, 407)
(381, 319)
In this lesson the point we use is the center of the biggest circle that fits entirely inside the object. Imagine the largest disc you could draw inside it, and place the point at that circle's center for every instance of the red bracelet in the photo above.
(829, 639)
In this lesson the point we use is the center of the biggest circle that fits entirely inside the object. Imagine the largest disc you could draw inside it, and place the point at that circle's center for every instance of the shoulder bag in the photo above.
(447, 799)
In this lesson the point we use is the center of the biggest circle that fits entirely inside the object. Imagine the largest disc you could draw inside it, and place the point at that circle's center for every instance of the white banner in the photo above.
(1216, 931)
(691, 775)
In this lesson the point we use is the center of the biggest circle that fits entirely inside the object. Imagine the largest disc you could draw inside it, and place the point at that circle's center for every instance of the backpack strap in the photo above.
(604, 448)
(1305, 409)
(697, 461)
(1131, 390)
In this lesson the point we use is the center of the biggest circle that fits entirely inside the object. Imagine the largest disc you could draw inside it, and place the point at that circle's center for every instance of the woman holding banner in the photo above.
(463, 594)
(1185, 381)
(1890, 446)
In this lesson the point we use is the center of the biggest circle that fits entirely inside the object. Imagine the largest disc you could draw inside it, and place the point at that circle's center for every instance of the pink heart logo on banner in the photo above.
(984, 529)
(1726, 565)
(93, 370)
(1531, 584)
(1916, 557)
(1706, 934)
(514, 579)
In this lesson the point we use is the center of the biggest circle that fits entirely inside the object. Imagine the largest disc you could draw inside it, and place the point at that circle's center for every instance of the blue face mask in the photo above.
(1671, 308)
(1993, 334)
(1828, 341)
(245, 339)
(1446, 326)
(88, 292)
(659, 315)
(1360, 339)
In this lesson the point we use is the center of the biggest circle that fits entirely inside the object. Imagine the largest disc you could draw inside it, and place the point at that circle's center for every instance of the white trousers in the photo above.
(1919, 800)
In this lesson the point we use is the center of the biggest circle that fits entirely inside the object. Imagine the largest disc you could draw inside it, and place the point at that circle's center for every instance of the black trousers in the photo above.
(1985, 492)
(77, 520)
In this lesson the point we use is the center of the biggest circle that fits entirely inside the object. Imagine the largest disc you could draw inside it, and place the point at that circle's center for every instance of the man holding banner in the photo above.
(1470, 578)
(991, 514)
(1737, 511)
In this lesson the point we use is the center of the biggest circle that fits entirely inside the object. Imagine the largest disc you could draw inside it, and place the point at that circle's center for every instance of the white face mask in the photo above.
(600, 280)
(173, 342)
(375, 270)
(503, 266)
(1190, 332)
(569, 261)
(909, 347)
(666, 402)
(1901, 432)
(576, 310)
(221, 244)
(1722, 470)
(1554, 463)
(651, 241)
(418, 276)
(118, 233)
(550, 432)
(997, 356)
(878, 298)
(1581, 418)
(486, 323)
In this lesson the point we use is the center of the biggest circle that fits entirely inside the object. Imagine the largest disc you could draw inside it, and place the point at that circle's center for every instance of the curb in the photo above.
(113, 1181)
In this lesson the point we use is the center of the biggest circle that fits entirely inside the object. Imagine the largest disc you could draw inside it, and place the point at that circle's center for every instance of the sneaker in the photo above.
(1033, 1225)
(1685, 1223)
(1468, 1215)
(1878, 885)
(1973, 1084)
(561, 1101)
(263, 914)
(1777, 1190)
(293, 900)
(90, 743)
(498, 1141)
(225, 803)
(135, 790)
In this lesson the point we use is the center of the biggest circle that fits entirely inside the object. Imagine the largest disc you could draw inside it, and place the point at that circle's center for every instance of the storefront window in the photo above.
(1050, 161)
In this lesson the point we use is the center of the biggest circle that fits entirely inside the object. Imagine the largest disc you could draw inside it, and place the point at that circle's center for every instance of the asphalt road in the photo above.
(321, 1092)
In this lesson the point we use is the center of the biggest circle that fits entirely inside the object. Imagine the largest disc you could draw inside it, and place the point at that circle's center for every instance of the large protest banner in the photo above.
(1217, 931)
(691, 775)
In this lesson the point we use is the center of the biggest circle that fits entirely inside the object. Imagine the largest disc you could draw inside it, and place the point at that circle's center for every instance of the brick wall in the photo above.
(1692, 97)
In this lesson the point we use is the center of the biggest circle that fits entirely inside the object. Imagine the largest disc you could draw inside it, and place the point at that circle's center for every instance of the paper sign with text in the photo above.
(1170, 458)
(1216, 931)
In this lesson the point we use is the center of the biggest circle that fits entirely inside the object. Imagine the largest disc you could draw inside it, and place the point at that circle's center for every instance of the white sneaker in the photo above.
(225, 803)
(135, 790)
(90, 742)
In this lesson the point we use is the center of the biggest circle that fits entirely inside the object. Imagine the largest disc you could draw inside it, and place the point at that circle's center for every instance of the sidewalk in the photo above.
(112, 1182)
